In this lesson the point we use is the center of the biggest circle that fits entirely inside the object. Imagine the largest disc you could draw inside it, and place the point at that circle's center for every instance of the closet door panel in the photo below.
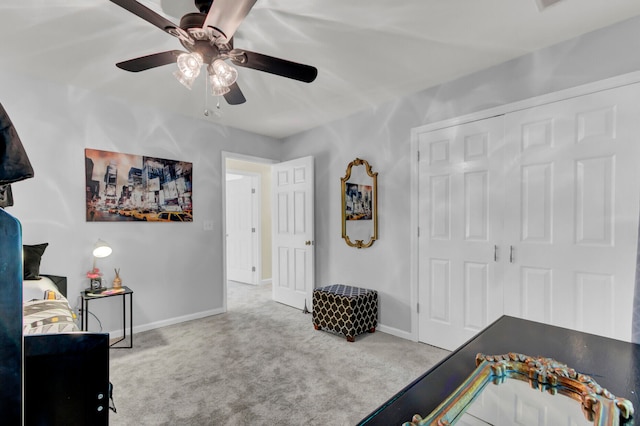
(460, 208)
(572, 188)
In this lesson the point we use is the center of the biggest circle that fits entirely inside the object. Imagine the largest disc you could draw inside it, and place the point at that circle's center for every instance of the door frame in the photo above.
(610, 83)
(232, 156)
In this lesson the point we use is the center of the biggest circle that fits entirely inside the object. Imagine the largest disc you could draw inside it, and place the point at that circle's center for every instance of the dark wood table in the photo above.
(613, 364)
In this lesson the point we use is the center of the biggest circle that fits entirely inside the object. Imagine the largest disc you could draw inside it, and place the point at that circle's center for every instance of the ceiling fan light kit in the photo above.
(208, 38)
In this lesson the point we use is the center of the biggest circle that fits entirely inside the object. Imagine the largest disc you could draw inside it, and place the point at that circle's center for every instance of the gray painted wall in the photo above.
(161, 261)
(381, 135)
(175, 269)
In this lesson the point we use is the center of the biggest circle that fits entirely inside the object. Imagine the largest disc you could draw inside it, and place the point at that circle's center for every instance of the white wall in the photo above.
(381, 135)
(175, 269)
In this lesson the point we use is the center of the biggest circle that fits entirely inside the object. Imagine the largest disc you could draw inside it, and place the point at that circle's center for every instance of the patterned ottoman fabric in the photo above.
(345, 309)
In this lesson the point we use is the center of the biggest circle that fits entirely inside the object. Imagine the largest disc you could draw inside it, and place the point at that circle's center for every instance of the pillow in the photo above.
(31, 263)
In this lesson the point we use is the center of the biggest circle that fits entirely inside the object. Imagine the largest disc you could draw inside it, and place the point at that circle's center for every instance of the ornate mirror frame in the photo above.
(360, 243)
(598, 404)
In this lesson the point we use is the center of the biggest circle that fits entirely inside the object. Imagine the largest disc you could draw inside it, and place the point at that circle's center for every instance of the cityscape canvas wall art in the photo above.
(126, 187)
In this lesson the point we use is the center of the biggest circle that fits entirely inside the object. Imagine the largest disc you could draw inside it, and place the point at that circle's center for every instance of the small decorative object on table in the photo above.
(96, 279)
(117, 282)
(106, 292)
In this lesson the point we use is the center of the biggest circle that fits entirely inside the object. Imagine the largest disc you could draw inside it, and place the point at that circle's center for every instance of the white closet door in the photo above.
(572, 201)
(460, 219)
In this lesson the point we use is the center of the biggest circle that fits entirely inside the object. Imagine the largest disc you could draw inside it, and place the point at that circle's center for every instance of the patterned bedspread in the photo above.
(48, 316)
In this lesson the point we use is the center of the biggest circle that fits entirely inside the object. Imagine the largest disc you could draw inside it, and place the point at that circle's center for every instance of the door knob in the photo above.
(307, 243)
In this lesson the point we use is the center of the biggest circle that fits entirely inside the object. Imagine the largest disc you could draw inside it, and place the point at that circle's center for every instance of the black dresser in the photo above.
(613, 364)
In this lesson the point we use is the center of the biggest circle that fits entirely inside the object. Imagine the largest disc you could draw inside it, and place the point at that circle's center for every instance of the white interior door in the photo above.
(573, 197)
(460, 219)
(242, 227)
(293, 232)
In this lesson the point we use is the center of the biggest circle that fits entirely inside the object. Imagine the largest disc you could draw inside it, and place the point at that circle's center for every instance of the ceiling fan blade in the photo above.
(281, 67)
(227, 15)
(150, 61)
(149, 16)
(234, 96)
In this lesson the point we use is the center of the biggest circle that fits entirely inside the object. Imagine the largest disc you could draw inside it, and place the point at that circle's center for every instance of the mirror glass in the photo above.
(514, 402)
(519, 389)
(360, 204)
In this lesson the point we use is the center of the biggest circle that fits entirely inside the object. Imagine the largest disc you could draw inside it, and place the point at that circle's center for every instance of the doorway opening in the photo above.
(285, 255)
(247, 222)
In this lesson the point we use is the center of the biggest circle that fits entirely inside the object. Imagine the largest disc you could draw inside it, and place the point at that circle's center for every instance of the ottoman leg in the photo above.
(372, 330)
(351, 339)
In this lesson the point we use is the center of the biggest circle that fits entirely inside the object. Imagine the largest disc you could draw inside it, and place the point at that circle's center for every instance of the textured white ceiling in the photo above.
(366, 51)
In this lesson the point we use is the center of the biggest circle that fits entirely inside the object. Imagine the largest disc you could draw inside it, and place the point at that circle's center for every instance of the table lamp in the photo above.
(100, 249)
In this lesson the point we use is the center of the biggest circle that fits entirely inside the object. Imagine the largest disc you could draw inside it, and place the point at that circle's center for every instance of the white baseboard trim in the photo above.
(167, 322)
(177, 320)
(266, 281)
(395, 332)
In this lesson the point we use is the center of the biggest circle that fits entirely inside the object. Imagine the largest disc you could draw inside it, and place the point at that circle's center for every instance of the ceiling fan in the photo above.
(208, 38)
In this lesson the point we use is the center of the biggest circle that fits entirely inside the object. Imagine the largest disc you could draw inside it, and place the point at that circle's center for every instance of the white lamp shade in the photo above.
(101, 249)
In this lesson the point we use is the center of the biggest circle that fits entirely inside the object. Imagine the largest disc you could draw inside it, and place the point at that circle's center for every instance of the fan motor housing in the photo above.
(202, 44)
(208, 51)
(192, 20)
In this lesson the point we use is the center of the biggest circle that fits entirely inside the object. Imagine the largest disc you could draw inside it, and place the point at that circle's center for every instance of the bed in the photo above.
(46, 308)
(66, 371)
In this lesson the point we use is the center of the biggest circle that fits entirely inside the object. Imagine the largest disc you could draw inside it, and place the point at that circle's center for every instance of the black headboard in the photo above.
(60, 282)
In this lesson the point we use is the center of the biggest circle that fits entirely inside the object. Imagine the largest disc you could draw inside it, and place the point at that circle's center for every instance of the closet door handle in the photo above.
(510, 254)
(495, 253)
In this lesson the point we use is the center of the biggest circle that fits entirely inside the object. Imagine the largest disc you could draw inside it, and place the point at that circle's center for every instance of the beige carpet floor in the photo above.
(261, 363)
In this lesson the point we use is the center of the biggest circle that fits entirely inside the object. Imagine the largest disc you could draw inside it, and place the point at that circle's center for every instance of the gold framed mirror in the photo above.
(597, 405)
(359, 204)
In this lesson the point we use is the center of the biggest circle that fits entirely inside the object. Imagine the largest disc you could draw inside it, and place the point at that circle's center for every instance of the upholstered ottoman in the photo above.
(345, 309)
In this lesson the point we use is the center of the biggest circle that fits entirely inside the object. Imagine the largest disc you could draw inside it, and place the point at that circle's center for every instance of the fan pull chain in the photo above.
(206, 101)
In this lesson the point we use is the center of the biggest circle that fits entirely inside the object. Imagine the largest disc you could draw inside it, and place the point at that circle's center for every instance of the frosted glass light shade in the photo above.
(217, 87)
(227, 74)
(186, 81)
(189, 64)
